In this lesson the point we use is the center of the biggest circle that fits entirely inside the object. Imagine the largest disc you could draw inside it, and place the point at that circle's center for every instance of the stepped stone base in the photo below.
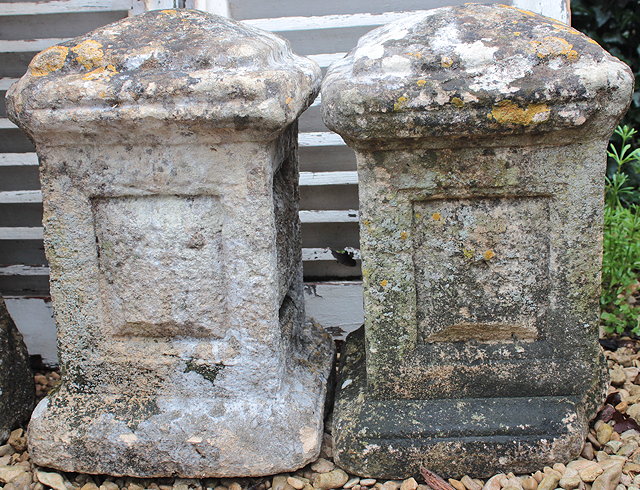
(393, 439)
(202, 436)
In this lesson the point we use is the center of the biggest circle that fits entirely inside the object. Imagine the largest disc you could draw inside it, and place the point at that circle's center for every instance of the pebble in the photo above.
(352, 483)
(368, 482)
(333, 479)
(571, 479)
(8, 473)
(390, 485)
(90, 486)
(234, 486)
(590, 472)
(17, 440)
(53, 480)
(634, 411)
(538, 476)
(618, 376)
(603, 433)
(294, 482)
(587, 451)
(6, 450)
(457, 484)
(279, 483)
(109, 485)
(550, 480)
(495, 482)
(529, 483)
(409, 484)
(323, 466)
(608, 480)
(469, 483)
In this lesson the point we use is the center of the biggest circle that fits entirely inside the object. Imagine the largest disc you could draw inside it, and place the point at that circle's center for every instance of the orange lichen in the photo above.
(400, 103)
(508, 112)
(421, 83)
(522, 11)
(457, 101)
(468, 253)
(488, 255)
(90, 54)
(384, 283)
(554, 46)
(288, 100)
(404, 235)
(51, 59)
(415, 55)
(169, 12)
(446, 62)
(436, 216)
(102, 72)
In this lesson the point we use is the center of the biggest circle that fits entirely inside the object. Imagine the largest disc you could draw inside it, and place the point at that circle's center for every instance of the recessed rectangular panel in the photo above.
(161, 265)
(481, 268)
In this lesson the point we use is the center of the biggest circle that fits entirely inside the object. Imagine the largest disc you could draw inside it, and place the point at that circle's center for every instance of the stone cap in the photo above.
(196, 70)
(470, 71)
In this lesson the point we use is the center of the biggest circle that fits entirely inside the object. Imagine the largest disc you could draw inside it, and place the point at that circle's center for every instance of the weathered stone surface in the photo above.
(168, 154)
(480, 133)
(17, 389)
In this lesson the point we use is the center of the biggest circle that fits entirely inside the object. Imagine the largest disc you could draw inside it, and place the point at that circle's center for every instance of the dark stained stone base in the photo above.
(393, 439)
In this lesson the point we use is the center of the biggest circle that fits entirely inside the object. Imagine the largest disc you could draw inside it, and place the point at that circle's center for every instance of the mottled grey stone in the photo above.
(480, 134)
(168, 150)
(17, 389)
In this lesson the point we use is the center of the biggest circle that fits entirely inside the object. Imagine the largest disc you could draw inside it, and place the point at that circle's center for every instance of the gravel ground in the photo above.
(610, 458)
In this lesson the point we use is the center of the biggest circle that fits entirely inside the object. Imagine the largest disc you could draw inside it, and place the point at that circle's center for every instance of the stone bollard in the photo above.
(480, 134)
(168, 150)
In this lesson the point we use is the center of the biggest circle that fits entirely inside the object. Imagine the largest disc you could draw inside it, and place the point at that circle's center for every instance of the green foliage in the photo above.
(620, 299)
(615, 25)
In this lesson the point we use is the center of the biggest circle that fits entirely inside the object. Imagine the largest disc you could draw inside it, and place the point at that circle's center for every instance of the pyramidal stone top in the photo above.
(176, 65)
(473, 70)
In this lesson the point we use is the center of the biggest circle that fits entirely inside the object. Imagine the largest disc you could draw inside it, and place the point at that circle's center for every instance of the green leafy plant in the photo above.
(620, 299)
(622, 168)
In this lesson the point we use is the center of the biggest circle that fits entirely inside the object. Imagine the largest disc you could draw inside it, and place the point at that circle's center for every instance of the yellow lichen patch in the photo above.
(288, 100)
(400, 103)
(90, 54)
(418, 215)
(102, 72)
(517, 33)
(169, 12)
(457, 101)
(565, 28)
(366, 222)
(446, 62)
(488, 255)
(592, 41)
(508, 112)
(415, 55)
(421, 83)
(522, 11)
(436, 217)
(384, 283)
(468, 253)
(404, 235)
(51, 59)
(554, 46)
